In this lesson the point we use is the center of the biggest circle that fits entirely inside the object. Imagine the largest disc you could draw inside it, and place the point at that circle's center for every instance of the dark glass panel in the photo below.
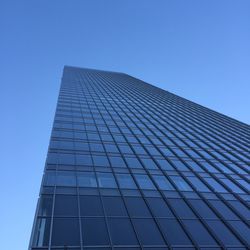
(133, 162)
(159, 207)
(148, 232)
(121, 231)
(86, 179)
(215, 185)
(66, 178)
(144, 181)
(114, 206)
(199, 233)
(241, 209)
(198, 184)
(173, 232)
(182, 209)
(181, 183)
(50, 178)
(165, 165)
(66, 159)
(223, 233)
(223, 210)
(84, 160)
(100, 160)
(232, 186)
(94, 232)
(242, 229)
(65, 232)
(126, 181)
(117, 162)
(66, 205)
(202, 209)
(106, 180)
(149, 164)
(90, 206)
(162, 182)
(42, 232)
(137, 207)
(45, 206)
(52, 158)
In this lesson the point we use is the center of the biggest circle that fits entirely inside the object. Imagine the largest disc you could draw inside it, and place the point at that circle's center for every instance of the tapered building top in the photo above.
(131, 166)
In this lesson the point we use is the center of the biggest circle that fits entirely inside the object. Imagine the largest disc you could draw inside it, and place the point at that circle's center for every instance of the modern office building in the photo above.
(131, 166)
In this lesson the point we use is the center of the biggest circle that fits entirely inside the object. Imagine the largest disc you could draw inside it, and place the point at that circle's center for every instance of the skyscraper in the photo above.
(131, 166)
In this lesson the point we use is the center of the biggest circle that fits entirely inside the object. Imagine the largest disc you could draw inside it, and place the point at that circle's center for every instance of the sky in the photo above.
(197, 49)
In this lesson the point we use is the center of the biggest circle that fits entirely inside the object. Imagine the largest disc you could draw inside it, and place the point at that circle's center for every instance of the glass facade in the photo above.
(131, 166)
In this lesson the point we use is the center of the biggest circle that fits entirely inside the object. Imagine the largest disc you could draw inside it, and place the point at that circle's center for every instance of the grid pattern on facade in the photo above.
(131, 166)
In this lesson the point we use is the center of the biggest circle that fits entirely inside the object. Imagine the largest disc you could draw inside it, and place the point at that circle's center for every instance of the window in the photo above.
(114, 206)
(121, 231)
(81, 146)
(148, 232)
(181, 208)
(94, 232)
(66, 159)
(119, 138)
(202, 209)
(159, 207)
(66, 205)
(215, 185)
(90, 206)
(133, 163)
(84, 160)
(162, 182)
(241, 229)
(126, 181)
(137, 207)
(198, 184)
(52, 158)
(179, 165)
(222, 209)
(139, 150)
(65, 232)
(165, 165)
(106, 138)
(241, 209)
(181, 183)
(223, 233)
(111, 148)
(50, 178)
(209, 168)
(79, 135)
(244, 184)
(166, 152)
(97, 147)
(45, 206)
(232, 186)
(153, 151)
(106, 180)
(86, 179)
(125, 149)
(144, 182)
(66, 179)
(100, 160)
(173, 232)
(117, 162)
(199, 233)
(42, 232)
(223, 168)
(68, 145)
(149, 164)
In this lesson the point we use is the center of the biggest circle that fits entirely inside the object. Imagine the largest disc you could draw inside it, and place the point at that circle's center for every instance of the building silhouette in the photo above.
(131, 166)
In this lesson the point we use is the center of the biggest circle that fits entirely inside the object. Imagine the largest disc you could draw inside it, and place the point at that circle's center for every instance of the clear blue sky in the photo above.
(198, 49)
